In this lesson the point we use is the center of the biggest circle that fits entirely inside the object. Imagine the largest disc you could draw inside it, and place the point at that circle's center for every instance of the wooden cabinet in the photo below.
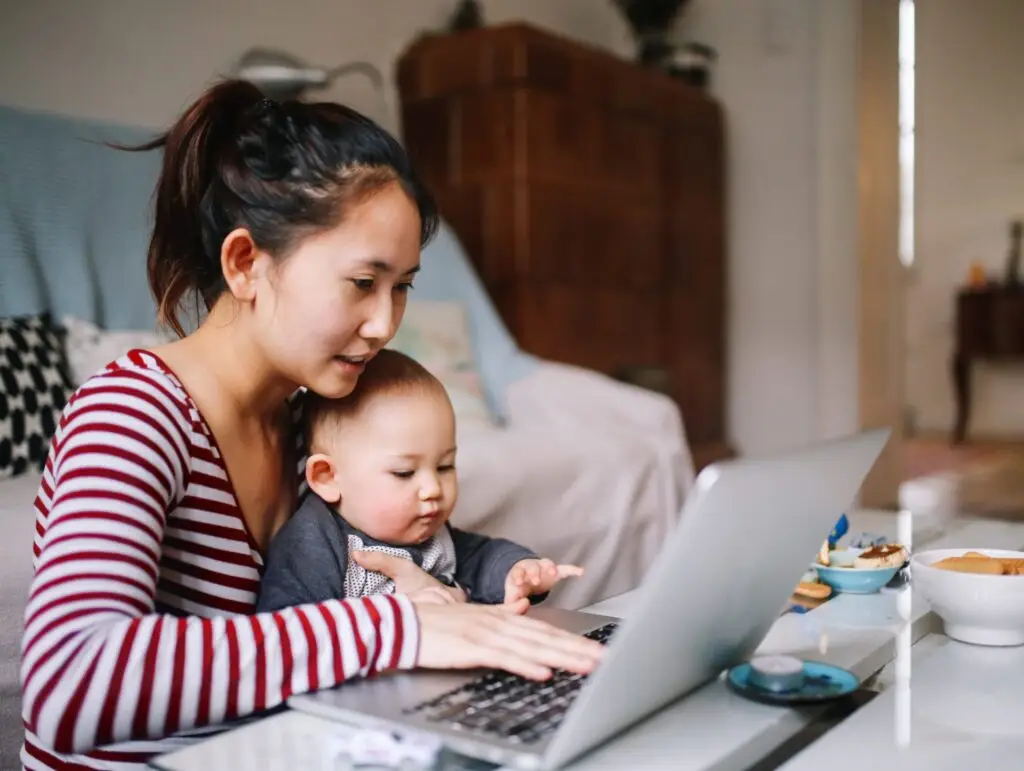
(989, 326)
(590, 195)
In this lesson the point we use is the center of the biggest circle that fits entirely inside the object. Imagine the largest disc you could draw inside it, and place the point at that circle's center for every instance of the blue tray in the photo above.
(823, 682)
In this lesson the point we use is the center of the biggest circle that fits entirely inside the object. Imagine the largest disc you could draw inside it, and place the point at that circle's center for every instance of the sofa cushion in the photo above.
(436, 334)
(90, 348)
(34, 386)
(448, 275)
(17, 523)
(74, 219)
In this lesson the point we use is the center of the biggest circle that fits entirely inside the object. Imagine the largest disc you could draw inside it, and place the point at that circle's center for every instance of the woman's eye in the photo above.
(405, 286)
(402, 474)
(366, 284)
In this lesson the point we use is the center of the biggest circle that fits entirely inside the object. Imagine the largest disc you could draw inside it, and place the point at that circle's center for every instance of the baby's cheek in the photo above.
(396, 519)
(386, 518)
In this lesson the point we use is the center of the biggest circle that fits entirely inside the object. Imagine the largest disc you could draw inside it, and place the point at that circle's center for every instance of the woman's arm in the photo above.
(99, 665)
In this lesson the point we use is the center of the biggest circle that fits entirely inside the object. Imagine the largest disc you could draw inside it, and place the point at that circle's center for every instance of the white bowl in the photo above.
(975, 608)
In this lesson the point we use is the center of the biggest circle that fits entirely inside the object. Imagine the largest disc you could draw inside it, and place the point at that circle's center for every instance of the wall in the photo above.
(140, 61)
(969, 185)
(785, 77)
(881, 275)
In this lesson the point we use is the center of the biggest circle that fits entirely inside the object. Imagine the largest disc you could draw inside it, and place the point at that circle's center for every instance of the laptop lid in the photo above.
(746, 535)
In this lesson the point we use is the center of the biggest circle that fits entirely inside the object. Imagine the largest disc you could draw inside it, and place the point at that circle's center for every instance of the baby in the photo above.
(381, 473)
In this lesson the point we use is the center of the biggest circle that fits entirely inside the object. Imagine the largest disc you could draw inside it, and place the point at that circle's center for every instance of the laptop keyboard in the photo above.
(509, 706)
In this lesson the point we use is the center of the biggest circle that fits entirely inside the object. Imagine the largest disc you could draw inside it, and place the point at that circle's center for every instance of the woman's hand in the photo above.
(409, 578)
(437, 595)
(457, 635)
(465, 636)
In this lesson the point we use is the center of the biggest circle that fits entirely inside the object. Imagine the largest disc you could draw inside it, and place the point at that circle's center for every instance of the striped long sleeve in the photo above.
(132, 629)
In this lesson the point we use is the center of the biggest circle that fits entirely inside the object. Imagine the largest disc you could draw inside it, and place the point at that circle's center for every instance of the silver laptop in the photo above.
(745, 536)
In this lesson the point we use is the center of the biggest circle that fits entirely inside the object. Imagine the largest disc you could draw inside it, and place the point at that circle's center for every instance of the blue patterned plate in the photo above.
(822, 682)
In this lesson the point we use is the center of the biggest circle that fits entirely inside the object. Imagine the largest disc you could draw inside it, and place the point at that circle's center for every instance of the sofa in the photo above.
(578, 466)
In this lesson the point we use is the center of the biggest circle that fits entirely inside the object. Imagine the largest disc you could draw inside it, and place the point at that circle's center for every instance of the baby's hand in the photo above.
(533, 576)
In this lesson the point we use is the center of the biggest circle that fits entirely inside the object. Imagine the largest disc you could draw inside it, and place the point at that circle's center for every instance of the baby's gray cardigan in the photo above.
(308, 559)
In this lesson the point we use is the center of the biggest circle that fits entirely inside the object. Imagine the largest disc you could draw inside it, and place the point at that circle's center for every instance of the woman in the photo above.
(300, 228)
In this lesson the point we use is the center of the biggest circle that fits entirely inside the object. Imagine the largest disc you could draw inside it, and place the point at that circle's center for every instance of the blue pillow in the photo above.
(447, 275)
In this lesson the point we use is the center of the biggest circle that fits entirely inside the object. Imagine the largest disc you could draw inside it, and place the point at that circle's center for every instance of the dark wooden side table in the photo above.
(989, 325)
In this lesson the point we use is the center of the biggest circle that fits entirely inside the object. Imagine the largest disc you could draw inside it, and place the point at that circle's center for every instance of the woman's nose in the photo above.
(380, 325)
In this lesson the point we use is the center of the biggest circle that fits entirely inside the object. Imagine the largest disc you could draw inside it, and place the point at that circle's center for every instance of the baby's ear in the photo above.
(322, 477)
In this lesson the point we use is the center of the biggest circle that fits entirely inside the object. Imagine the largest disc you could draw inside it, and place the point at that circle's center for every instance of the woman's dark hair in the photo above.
(282, 170)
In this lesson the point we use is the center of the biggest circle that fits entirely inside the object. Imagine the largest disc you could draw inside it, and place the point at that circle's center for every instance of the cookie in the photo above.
(1012, 567)
(813, 590)
(982, 565)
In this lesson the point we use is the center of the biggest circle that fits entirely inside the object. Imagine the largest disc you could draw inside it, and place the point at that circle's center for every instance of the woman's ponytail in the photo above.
(281, 170)
(195, 147)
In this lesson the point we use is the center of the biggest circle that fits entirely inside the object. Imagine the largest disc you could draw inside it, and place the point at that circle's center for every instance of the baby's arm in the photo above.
(306, 561)
(482, 564)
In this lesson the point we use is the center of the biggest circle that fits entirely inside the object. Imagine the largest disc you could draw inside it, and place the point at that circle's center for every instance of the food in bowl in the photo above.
(823, 554)
(844, 575)
(886, 555)
(976, 562)
(981, 608)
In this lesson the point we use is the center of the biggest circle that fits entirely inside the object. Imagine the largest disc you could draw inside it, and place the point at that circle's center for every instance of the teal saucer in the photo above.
(822, 682)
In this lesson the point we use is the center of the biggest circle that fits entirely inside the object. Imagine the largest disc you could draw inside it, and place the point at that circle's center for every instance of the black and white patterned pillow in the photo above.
(34, 386)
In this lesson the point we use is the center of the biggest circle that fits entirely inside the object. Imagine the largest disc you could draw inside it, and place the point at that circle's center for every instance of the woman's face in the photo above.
(339, 297)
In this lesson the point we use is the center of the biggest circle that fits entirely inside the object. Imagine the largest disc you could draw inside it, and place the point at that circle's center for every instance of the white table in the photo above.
(960, 708)
(710, 729)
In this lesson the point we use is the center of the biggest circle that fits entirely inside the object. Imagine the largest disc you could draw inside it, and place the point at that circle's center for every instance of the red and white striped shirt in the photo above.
(139, 634)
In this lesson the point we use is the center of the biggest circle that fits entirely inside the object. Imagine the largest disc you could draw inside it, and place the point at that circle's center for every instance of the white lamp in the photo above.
(281, 76)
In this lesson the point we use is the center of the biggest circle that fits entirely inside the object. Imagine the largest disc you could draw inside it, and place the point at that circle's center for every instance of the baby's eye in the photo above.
(446, 468)
(402, 474)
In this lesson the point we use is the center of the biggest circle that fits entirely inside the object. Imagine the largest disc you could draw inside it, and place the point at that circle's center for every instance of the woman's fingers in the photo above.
(465, 636)
(407, 575)
(515, 648)
(550, 645)
(386, 564)
(510, 661)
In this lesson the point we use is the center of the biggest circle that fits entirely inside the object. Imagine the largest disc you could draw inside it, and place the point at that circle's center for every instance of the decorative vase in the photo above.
(692, 62)
(467, 15)
(1013, 260)
(651, 22)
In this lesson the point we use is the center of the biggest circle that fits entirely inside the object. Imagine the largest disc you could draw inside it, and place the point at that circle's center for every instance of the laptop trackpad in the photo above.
(570, 620)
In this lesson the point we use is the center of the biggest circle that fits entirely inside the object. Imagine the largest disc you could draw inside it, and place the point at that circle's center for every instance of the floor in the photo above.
(991, 472)
(929, 455)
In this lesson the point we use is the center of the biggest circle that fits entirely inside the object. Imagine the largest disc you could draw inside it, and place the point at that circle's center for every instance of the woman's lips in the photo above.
(349, 366)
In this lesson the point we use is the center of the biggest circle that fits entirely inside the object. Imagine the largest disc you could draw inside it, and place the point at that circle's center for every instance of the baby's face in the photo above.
(395, 465)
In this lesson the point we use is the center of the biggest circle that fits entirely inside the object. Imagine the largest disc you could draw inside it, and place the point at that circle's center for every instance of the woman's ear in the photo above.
(323, 478)
(238, 263)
